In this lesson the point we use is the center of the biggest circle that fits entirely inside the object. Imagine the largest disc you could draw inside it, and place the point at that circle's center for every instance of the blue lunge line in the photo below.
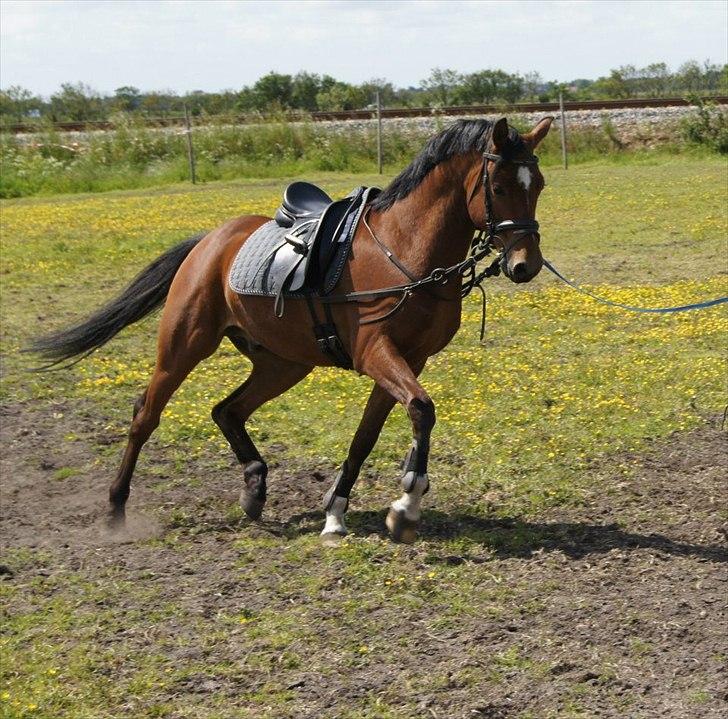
(659, 310)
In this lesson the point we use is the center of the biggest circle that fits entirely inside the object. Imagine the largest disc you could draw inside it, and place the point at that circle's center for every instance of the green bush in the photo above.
(707, 126)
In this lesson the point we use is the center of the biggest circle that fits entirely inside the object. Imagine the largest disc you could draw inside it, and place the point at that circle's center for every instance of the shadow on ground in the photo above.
(508, 537)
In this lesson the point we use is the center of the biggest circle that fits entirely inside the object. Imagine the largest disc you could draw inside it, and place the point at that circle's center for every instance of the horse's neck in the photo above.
(430, 227)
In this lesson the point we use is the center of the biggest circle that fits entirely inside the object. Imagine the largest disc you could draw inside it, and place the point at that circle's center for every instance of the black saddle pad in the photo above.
(268, 265)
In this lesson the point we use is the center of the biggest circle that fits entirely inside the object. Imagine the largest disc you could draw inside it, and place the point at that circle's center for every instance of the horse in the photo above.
(475, 176)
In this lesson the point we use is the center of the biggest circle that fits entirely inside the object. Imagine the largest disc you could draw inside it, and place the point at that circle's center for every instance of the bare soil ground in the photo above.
(616, 608)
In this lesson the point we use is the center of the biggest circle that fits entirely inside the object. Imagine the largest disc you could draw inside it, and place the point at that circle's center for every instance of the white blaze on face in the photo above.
(524, 176)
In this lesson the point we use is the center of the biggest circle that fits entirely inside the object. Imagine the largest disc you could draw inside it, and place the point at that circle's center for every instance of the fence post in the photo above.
(379, 134)
(563, 131)
(190, 148)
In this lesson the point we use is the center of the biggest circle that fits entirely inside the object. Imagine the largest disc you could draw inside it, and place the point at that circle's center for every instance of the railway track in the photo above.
(401, 112)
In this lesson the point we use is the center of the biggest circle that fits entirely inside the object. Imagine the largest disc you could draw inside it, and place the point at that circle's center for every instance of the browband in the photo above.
(533, 160)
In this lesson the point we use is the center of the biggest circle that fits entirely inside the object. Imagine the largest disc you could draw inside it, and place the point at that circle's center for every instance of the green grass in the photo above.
(64, 473)
(522, 422)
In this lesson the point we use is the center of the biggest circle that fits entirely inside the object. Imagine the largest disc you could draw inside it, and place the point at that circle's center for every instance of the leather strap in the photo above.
(327, 338)
(387, 252)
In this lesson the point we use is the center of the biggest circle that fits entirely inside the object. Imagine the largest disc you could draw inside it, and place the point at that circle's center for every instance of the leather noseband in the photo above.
(494, 227)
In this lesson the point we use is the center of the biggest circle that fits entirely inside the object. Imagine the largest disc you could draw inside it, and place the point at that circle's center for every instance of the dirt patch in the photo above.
(614, 608)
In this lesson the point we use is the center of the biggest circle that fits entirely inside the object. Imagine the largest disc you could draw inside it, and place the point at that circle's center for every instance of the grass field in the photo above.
(540, 498)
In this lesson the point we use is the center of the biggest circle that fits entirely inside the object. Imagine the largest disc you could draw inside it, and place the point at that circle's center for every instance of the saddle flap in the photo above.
(321, 242)
(336, 225)
(287, 269)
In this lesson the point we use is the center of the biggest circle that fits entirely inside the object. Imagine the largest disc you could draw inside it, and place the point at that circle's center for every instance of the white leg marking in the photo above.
(409, 502)
(524, 176)
(335, 517)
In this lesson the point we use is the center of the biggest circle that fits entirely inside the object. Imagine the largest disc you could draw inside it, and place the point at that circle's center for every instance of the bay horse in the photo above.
(474, 175)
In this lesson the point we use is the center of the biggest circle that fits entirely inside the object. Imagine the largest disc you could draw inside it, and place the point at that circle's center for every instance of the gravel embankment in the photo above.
(646, 127)
(622, 118)
(631, 126)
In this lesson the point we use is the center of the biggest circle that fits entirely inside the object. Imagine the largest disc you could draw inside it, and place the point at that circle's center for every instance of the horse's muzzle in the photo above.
(521, 271)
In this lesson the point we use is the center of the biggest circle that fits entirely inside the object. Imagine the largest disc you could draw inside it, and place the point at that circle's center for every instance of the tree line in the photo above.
(310, 92)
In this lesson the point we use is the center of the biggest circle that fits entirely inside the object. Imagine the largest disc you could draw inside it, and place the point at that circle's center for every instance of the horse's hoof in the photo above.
(252, 505)
(332, 539)
(401, 528)
(115, 520)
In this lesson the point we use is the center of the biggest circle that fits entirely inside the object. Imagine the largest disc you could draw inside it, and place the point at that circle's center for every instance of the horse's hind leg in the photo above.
(271, 376)
(178, 354)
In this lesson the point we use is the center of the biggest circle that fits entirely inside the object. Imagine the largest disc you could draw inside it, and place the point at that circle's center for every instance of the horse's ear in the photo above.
(533, 138)
(500, 134)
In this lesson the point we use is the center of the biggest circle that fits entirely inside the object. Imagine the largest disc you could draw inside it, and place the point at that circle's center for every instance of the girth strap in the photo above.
(327, 337)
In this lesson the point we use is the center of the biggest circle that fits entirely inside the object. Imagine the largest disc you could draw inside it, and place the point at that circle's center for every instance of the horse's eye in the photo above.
(498, 190)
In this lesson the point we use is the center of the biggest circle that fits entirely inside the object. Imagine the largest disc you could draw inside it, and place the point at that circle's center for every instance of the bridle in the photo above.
(493, 227)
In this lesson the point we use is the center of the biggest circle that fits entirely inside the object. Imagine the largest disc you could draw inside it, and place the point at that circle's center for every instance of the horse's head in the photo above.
(502, 200)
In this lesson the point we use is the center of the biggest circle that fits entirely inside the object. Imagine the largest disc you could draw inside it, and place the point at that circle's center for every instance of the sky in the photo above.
(185, 45)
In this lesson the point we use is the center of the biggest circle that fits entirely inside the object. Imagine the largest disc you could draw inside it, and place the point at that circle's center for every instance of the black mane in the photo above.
(459, 138)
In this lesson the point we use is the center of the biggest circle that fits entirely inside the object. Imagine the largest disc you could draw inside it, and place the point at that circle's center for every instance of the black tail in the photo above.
(146, 292)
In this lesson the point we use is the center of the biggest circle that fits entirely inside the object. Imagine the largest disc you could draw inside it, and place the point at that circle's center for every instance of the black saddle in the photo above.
(320, 231)
(302, 253)
(301, 200)
(304, 249)
(317, 225)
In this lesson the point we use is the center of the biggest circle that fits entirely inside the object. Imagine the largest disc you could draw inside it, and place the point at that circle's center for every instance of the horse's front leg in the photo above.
(399, 379)
(336, 500)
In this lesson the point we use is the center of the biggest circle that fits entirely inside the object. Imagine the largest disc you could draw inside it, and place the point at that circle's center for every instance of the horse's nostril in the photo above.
(519, 270)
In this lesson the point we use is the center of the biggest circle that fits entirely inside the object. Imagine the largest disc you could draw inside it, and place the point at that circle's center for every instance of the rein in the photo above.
(481, 247)
(632, 308)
